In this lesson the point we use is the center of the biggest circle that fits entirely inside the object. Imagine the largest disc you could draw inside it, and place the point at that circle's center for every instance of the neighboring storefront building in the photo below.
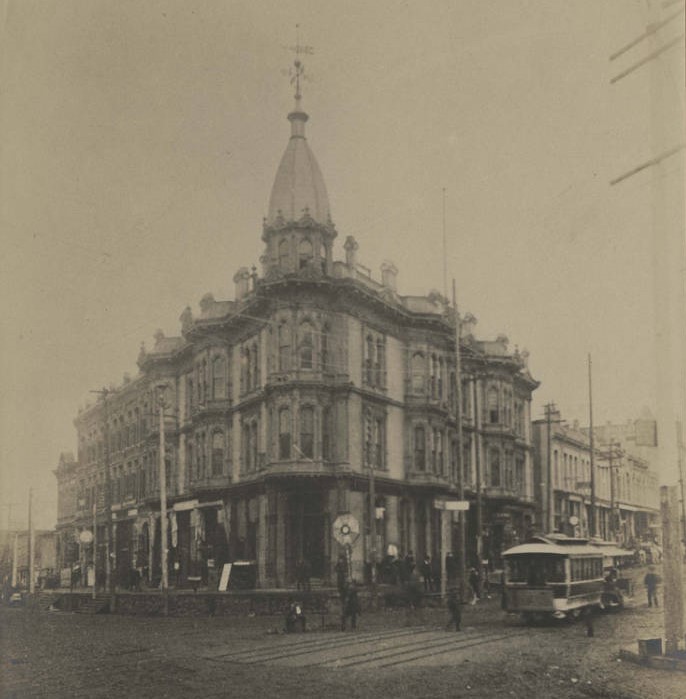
(626, 490)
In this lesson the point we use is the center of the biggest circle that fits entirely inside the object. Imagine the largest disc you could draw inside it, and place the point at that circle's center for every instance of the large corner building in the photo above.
(281, 403)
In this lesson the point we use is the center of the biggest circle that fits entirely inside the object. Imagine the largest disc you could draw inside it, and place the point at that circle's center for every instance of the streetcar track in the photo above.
(454, 643)
(248, 657)
(267, 651)
(481, 642)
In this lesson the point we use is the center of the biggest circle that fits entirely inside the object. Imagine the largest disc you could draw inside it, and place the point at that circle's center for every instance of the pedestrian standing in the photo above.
(474, 584)
(455, 610)
(342, 576)
(650, 581)
(451, 569)
(351, 607)
(426, 574)
(409, 565)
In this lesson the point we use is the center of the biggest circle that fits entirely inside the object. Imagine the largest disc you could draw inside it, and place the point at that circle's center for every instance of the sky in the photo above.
(140, 141)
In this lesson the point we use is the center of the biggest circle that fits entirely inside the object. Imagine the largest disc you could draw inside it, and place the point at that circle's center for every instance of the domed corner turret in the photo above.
(298, 230)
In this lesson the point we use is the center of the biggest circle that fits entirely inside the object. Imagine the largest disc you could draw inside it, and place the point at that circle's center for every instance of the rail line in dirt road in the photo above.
(426, 652)
(362, 650)
(292, 647)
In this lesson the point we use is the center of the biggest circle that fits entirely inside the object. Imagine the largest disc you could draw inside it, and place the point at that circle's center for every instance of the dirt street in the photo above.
(391, 654)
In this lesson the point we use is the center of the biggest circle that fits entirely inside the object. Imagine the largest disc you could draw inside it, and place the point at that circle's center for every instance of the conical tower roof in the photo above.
(298, 186)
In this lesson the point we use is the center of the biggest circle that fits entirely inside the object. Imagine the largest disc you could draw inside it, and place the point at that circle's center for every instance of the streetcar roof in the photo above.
(554, 549)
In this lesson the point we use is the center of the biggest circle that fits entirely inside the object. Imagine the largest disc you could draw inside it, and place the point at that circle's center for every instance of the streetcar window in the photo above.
(536, 570)
(586, 568)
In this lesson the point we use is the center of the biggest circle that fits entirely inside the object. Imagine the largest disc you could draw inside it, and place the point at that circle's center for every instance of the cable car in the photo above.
(553, 575)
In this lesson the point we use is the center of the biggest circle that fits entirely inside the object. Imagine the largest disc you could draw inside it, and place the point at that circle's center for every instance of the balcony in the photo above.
(296, 467)
(507, 493)
(314, 376)
(427, 478)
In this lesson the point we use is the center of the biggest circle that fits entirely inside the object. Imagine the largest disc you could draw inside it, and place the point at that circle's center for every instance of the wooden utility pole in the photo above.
(673, 602)
(591, 524)
(31, 542)
(461, 535)
(478, 476)
(680, 461)
(109, 578)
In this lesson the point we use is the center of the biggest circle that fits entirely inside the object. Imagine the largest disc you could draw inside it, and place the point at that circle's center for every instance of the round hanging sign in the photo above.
(346, 529)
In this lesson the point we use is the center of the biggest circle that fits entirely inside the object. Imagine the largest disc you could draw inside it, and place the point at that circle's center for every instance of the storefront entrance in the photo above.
(305, 534)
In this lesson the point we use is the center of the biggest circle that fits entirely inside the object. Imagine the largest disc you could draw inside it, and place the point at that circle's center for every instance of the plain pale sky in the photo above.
(140, 141)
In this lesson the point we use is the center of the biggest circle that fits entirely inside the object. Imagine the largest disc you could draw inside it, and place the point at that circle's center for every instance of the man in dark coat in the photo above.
(426, 571)
(455, 610)
(342, 576)
(650, 581)
(351, 607)
(451, 569)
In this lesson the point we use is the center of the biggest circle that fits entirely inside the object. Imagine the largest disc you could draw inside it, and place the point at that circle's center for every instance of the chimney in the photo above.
(206, 302)
(242, 281)
(389, 273)
(468, 323)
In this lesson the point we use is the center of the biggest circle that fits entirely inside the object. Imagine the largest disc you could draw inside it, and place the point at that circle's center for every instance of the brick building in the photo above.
(278, 404)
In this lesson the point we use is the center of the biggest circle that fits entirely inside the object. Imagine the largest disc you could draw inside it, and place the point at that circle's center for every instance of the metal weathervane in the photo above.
(297, 72)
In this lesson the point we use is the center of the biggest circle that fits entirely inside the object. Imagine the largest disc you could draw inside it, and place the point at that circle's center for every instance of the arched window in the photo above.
(304, 253)
(440, 378)
(418, 370)
(327, 434)
(307, 432)
(284, 254)
(369, 361)
(379, 441)
(492, 405)
(246, 446)
(284, 339)
(368, 438)
(434, 376)
(255, 367)
(439, 452)
(202, 455)
(379, 368)
(434, 449)
(494, 463)
(322, 257)
(324, 359)
(284, 433)
(419, 448)
(218, 378)
(247, 369)
(217, 453)
(190, 462)
(306, 345)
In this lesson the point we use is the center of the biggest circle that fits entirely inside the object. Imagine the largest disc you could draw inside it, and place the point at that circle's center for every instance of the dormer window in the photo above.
(305, 254)
(284, 254)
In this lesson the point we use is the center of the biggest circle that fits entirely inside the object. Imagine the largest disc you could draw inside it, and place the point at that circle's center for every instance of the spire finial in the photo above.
(298, 70)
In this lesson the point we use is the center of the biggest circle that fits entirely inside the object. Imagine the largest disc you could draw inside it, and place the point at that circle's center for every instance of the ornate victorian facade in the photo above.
(278, 404)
